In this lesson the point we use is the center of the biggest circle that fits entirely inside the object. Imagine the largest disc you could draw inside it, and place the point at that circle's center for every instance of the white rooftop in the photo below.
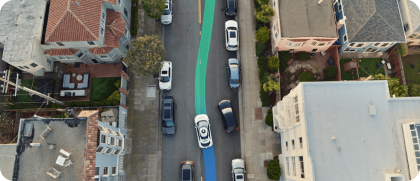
(366, 146)
(20, 23)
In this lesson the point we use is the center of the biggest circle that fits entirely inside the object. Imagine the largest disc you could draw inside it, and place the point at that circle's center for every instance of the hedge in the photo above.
(273, 169)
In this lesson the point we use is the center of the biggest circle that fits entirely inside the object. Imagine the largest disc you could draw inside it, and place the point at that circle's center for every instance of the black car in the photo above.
(168, 123)
(187, 171)
(231, 7)
(229, 120)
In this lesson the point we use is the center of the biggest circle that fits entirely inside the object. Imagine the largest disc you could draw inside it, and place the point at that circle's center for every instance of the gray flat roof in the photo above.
(7, 160)
(366, 147)
(303, 18)
(34, 162)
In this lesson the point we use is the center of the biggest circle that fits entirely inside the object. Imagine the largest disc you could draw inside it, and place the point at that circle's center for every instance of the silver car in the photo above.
(238, 169)
(233, 73)
(202, 127)
(166, 17)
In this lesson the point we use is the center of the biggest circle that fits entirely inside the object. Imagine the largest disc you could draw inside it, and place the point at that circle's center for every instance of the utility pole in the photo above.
(33, 92)
(6, 84)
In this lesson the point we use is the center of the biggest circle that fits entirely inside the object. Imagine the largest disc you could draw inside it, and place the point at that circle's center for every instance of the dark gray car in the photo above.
(168, 122)
(234, 73)
(187, 171)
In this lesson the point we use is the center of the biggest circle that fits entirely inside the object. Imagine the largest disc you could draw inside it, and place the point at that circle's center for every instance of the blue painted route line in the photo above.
(210, 164)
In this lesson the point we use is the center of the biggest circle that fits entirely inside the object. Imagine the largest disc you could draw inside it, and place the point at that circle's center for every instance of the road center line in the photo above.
(199, 12)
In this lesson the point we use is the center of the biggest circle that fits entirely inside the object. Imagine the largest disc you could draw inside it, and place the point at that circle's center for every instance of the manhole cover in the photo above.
(151, 92)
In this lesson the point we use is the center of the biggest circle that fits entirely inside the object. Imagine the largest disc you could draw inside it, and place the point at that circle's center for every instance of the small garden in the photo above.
(134, 17)
(366, 67)
(411, 65)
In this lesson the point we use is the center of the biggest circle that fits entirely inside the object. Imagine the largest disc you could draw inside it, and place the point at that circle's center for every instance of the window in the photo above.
(349, 50)
(297, 44)
(90, 42)
(293, 166)
(106, 170)
(125, 12)
(101, 128)
(351, 44)
(385, 45)
(406, 27)
(114, 170)
(345, 38)
(300, 142)
(116, 152)
(123, 39)
(112, 53)
(293, 144)
(287, 147)
(105, 150)
(127, 47)
(126, 31)
(59, 43)
(314, 50)
(314, 43)
(371, 50)
(376, 44)
(103, 56)
(274, 3)
(34, 65)
(274, 26)
(109, 150)
(360, 45)
(304, 43)
(99, 149)
(287, 166)
(103, 139)
(297, 118)
(103, 17)
(289, 43)
(26, 67)
(79, 54)
(97, 170)
(120, 142)
(276, 35)
(339, 6)
(297, 108)
(50, 60)
(119, 2)
(302, 170)
(321, 44)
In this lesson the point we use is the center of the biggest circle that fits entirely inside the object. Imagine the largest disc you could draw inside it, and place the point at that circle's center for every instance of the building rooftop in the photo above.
(19, 26)
(373, 21)
(366, 146)
(35, 161)
(414, 13)
(303, 18)
(73, 20)
(7, 160)
(115, 28)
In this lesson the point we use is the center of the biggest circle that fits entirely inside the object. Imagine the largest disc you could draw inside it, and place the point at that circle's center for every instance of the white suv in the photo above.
(232, 35)
(166, 17)
(238, 169)
(165, 76)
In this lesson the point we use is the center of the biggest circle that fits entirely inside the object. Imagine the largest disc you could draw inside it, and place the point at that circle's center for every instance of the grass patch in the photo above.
(102, 88)
(369, 63)
(134, 24)
(412, 76)
(303, 56)
(23, 95)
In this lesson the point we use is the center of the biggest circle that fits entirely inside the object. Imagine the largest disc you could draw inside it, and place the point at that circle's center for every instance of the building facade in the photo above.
(367, 26)
(410, 15)
(302, 26)
(347, 131)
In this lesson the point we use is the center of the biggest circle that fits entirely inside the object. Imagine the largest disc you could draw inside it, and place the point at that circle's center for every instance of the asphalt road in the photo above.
(182, 40)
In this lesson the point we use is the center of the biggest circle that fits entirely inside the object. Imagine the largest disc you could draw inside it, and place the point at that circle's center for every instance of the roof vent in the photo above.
(372, 110)
(320, 1)
(78, 3)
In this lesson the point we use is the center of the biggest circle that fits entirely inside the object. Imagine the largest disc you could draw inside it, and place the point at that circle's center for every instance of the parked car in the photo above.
(228, 117)
(187, 171)
(166, 17)
(165, 77)
(231, 7)
(232, 35)
(202, 127)
(168, 122)
(238, 169)
(233, 73)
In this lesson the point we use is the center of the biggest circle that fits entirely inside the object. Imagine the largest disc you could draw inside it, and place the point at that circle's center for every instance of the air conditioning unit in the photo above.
(114, 124)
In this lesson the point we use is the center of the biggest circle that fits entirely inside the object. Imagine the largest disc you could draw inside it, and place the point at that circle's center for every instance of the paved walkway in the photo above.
(258, 141)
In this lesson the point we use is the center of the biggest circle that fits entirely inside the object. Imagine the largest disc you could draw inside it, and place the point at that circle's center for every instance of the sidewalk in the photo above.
(143, 159)
(258, 142)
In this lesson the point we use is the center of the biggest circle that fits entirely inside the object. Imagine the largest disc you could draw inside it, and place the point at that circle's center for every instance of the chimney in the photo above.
(319, 2)
(341, 22)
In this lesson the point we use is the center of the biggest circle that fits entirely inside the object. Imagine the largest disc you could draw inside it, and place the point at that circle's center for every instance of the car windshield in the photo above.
(164, 79)
(168, 123)
(234, 81)
(233, 46)
(238, 170)
(239, 177)
(231, 28)
(166, 12)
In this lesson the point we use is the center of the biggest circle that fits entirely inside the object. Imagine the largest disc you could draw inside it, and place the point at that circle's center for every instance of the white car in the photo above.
(202, 127)
(165, 76)
(166, 17)
(232, 35)
(238, 169)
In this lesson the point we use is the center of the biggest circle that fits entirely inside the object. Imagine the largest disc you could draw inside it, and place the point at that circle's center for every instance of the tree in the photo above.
(395, 88)
(265, 13)
(273, 169)
(273, 63)
(330, 71)
(154, 8)
(306, 77)
(262, 35)
(272, 84)
(145, 55)
(269, 118)
(403, 49)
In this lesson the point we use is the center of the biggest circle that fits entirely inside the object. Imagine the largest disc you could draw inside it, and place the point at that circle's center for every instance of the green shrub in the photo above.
(269, 118)
(273, 169)
(260, 48)
(403, 49)
(330, 72)
(306, 77)
(273, 63)
(262, 35)
(414, 90)
(264, 14)
(263, 76)
(271, 85)
(395, 88)
(153, 8)
(262, 63)
(266, 101)
(303, 56)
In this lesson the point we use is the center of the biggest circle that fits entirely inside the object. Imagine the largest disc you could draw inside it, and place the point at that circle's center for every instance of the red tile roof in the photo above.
(66, 51)
(100, 51)
(73, 20)
(115, 28)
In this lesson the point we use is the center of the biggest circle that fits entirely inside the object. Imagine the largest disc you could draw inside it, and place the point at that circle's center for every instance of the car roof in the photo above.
(231, 23)
(165, 65)
(229, 117)
(234, 73)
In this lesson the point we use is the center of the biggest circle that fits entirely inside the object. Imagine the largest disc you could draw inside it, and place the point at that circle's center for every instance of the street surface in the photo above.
(181, 42)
